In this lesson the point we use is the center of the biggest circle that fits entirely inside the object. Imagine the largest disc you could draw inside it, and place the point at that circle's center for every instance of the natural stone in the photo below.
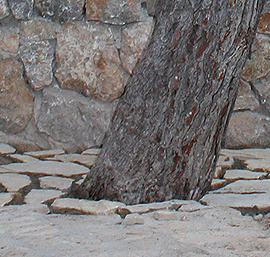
(92, 151)
(9, 39)
(243, 154)
(246, 187)
(46, 8)
(264, 24)
(16, 102)
(217, 183)
(15, 182)
(21, 10)
(133, 219)
(151, 7)
(45, 153)
(42, 196)
(248, 129)
(52, 182)
(47, 168)
(168, 215)
(191, 206)
(219, 173)
(87, 61)
(134, 39)
(6, 199)
(72, 119)
(243, 174)
(22, 158)
(117, 12)
(71, 205)
(4, 10)
(225, 162)
(259, 165)
(6, 149)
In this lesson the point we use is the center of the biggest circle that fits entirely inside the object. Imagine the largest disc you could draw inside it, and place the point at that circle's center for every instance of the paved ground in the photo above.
(175, 228)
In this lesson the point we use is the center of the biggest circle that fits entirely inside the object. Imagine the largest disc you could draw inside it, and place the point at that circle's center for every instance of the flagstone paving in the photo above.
(37, 216)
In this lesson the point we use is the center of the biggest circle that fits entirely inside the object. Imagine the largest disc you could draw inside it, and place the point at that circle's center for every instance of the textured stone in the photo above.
(21, 10)
(87, 61)
(243, 154)
(42, 196)
(45, 153)
(46, 8)
(246, 99)
(22, 158)
(6, 149)
(71, 205)
(52, 182)
(192, 206)
(151, 6)
(263, 165)
(4, 10)
(91, 151)
(264, 24)
(6, 199)
(225, 162)
(16, 102)
(133, 219)
(247, 129)
(243, 174)
(116, 11)
(134, 39)
(15, 182)
(168, 215)
(70, 118)
(9, 39)
(47, 168)
(217, 183)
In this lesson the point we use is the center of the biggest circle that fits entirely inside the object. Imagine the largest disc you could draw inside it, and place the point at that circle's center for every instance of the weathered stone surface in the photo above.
(246, 187)
(246, 99)
(247, 129)
(243, 174)
(259, 65)
(22, 158)
(151, 6)
(15, 182)
(6, 149)
(191, 206)
(6, 199)
(217, 183)
(134, 39)
(16, 102)
(87, 61)
(133, 219)
(71, 205)
(47, 168)
(72, 119)
(9, 39)
(4, 10)
(86, 160)
(45, 7)
(21, 10)
(225, 162)
(168, 215)
(243, 154)
(91, 151)
(42, 196)
(45, 153)
(52, 182)
(219, 172)
(264, 24)
(116, 11)
(261, 165)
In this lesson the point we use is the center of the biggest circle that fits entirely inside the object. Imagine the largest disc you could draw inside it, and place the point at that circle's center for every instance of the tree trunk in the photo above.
(166, 133)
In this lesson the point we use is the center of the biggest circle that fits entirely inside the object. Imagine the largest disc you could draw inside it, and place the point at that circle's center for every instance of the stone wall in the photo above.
(64, 63)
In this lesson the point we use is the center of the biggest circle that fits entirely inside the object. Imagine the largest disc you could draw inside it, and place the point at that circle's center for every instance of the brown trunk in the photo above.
(166, 133)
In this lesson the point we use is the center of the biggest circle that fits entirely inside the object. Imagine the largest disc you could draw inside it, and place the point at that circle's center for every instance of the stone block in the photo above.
(21, 9)
(4, 9)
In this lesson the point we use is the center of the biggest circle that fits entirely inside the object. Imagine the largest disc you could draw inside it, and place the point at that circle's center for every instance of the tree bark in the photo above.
(166, 133)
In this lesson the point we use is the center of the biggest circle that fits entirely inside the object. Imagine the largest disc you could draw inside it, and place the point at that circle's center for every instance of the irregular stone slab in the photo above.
(49, 168)
(87, 61)
(134, 39)
(21, 10)
(5, 199)
(263, 165)
(247, 130)
(16, 102)
(74, 120)
(261, 201)
(36, 196)
(86, 160)
(133, 219)
(217, 183)
(92, 151)
(246, 187)
(9, 39)
(15, 182)
(264, 24)
(6, 149)
(168, 215)
(71, 205)
(45, 153)
(192, 206)
(52, 182)
(4, 10)
(225, 162)
(23, 158)
(233, 175)
(117, 12)
(244, 154)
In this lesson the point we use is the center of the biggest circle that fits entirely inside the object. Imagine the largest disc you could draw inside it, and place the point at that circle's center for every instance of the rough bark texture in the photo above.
(166, 133)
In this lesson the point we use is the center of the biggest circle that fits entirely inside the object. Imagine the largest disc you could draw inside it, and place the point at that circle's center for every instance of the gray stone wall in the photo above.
(64, 63)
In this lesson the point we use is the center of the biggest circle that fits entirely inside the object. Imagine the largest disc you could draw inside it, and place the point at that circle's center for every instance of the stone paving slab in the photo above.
(45, 153)
(6, 198)
(225, 162)
(243, 174)
(260, 165)
(58, 183)
(15, 182)
(217, 183)
(92, 151)
(50, 168)
(6, 149)
(23, 158)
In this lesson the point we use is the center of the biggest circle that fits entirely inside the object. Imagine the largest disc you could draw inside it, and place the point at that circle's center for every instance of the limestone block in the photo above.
(15, 182)
(16, 102)
(52, 182)
(9, 39)
(217, 183)
(91, 151)
(21, 9)
(4, 10)
(134, 39)
(6, 149)
(87, 61)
